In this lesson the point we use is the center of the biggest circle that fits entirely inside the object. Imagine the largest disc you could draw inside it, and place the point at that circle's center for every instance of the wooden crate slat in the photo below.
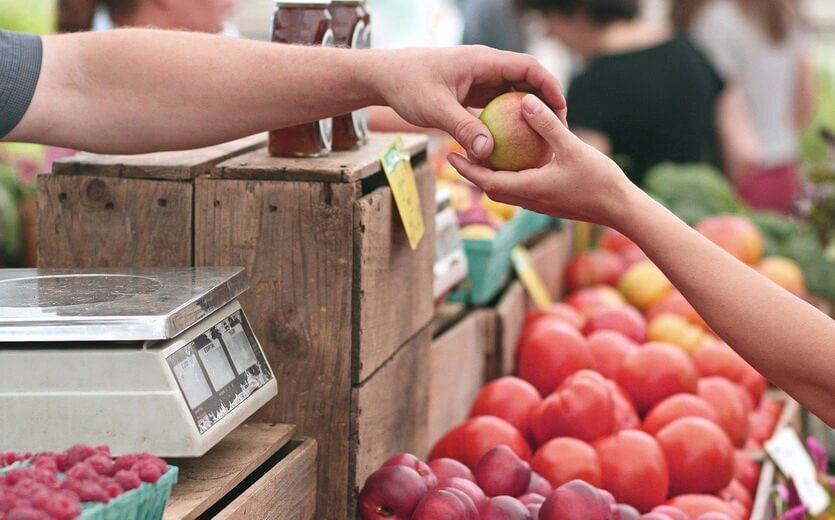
(388, 309)
(288, 490)
(88, 221)
(205, 480)
(177, 165)
(336, 167)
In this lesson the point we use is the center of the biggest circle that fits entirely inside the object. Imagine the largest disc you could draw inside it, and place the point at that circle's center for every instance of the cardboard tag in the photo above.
(530, 278)
(793, 461)
(398, 167)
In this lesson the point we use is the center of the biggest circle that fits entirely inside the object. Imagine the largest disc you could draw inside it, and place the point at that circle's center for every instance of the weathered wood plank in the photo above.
(337, 167)
(393, 284)
(87, 221)
(295, 240)
(205, 480)
(287, 491)
(178, 165)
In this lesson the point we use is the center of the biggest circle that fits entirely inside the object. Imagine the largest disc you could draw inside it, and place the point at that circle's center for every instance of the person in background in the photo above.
(647, 95)
(760, 46)
(495, 23)
(192, 15)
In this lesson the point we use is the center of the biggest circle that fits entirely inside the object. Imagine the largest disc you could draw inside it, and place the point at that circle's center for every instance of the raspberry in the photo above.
(26, 486)
(161, 464)
(83, 471)
(26, 513)
(93, 492)
(17, 474)
(79, 453)
(72, 485)
(104, 449)
(148, 471)
(7, 499)
(101, 463)
(125, 462)
(63, 506)
(128, 479)
(45, 476)
(113, 489)
(46, 463)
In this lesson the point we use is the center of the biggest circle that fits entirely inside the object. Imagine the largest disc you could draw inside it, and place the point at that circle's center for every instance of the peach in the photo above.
(589, 299)
(614, 241)
(626, 320)
(500, 209)
(675, 303)
(550, 353)
(516, 145)
(581, 407)
(575, 500)
(676, 407)
(501, 472)
(625, 414)
(591, 268)
(656, 371)
(736, 235)
(784, 272)
(446, 468)
(391, 492)
(504, 508)
(674, 329)
(565, 459)
(478, 232)
(608, 349)
(731, 408)
(643, 285)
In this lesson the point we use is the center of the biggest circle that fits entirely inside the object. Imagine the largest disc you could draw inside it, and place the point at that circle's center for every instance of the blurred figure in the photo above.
(191, 15)
(760, 46)
(482, 19)
(647, 95)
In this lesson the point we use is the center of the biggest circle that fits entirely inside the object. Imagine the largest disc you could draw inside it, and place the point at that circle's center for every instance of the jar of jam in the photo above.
(303, 22)
(351, 29)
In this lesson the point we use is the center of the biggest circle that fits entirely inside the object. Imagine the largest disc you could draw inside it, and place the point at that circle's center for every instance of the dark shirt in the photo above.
(654, 104)
(20, 67)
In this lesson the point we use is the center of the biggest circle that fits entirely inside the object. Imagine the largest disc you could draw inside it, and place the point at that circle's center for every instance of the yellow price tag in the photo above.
(582, 236)
(530, 278)
(398, 168)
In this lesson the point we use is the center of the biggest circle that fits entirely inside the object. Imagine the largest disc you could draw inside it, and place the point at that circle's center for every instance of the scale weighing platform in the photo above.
(158, 360)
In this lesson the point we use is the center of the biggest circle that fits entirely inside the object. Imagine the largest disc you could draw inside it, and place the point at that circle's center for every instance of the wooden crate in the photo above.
(257, 471)
(339, 301)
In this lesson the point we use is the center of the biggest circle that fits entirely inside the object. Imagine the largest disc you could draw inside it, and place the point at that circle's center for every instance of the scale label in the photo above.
(219, 370)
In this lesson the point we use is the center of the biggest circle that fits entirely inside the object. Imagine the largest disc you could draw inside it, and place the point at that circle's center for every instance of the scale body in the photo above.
(157, 360)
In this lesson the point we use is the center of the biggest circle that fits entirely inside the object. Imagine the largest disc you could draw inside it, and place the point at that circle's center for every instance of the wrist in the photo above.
(367, 70)
(634, 205)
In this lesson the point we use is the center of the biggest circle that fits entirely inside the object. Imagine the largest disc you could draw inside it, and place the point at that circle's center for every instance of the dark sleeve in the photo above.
(586, 107)
(20, 67)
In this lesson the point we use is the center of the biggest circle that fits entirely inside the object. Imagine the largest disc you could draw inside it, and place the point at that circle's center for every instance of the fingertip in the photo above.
(532, 105)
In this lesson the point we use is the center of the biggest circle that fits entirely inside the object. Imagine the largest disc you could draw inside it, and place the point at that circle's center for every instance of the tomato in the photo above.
(761, 426)
(634, 469)
(699, 455)
(718, 359)
(552, 352)
(626, 320)
(656, 371)
(675, 303)
(509, 398)
(581, 407)
(608, 350)
(564, 459)
(736, 492)
(676, 407)
(731, 407)
(589, 299)
(695, 505)
(560, 311)
(593, 268)
(470, 440)
(614, 241)
(626, 416)
(747, 471)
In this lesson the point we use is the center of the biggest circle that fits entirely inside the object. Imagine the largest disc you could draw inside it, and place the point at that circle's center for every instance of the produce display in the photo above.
(624, 405)
(60, 486)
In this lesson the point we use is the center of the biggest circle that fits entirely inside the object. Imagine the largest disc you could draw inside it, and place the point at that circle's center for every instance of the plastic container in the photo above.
(489, 261)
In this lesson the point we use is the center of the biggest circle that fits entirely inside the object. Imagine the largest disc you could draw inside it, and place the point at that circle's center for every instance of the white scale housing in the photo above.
(158, 360)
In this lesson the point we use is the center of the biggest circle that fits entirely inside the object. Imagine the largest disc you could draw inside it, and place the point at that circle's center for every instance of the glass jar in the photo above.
(303, 22)
(351, 29)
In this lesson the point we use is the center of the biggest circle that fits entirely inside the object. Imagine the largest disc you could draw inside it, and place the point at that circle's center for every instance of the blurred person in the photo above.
(647, 95)
(495, 23)
(192, 15)
(760, 45)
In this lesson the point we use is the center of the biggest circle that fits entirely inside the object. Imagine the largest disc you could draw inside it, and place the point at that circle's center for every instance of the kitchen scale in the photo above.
(158, 360)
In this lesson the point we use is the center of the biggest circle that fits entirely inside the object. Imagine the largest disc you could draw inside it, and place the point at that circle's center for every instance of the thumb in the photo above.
(468, 130)
(545, 122)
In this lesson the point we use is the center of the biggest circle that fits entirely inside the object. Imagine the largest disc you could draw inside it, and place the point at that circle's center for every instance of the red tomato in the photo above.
(770, 407)
(564, 459)
(581, 407)
(736, 492)
(675, 303)
(614, 241)
(589, 299)
(508, 398)
(699, 455)
(552, 352)
(470, 440)
(761, 426)
(656, 371)
(676, 407)
(634, 469)
(608, 350)
(695, 505)
(593, 268)
(747, 471)
(626, 320)
(731, 407)
(718, 359)
(626, 416)
(560, 311)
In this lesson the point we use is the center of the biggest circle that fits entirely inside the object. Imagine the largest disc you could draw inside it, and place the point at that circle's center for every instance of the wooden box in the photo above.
(339, 301)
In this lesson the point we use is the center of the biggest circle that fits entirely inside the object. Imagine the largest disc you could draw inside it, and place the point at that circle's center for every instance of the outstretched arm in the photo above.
(141, 90)
(785, 338)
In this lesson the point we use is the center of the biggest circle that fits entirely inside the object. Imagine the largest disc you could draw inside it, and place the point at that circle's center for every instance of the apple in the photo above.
(391, 492)
(504, 508)
(624, 512)
(516, 146)
(468, 487)
(591, 268)
(446, 504)
(501, 472)
(532, 498)
(445, 468)
(539, 485)
(411, 461)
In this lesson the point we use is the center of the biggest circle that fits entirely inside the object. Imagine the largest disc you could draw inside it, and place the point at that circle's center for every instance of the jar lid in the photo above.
(357, 2)
(303, 2)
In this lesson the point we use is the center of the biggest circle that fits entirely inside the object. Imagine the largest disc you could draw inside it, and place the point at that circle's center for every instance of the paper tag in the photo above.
(398, 167)
(793, 461)
(530, 278)
(582, 236)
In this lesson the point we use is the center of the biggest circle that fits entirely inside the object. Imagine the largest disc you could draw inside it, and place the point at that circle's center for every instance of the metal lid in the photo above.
(352, 2)
(67, 305)
(303, 2)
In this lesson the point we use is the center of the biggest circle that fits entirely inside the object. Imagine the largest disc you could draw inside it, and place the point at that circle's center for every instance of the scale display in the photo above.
(219, 369)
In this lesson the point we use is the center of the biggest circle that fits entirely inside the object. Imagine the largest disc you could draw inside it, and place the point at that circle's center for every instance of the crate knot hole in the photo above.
(162, 202)
(216, 204)
(62, 197)
(273, 208)
(96, 190)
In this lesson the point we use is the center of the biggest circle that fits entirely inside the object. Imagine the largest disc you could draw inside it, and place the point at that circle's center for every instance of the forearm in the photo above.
(785, 338)
(139, 90)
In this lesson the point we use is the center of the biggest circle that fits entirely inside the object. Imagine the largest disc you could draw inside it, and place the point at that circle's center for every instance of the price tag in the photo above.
(530, 278)
(398, 168)
(791, 458)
